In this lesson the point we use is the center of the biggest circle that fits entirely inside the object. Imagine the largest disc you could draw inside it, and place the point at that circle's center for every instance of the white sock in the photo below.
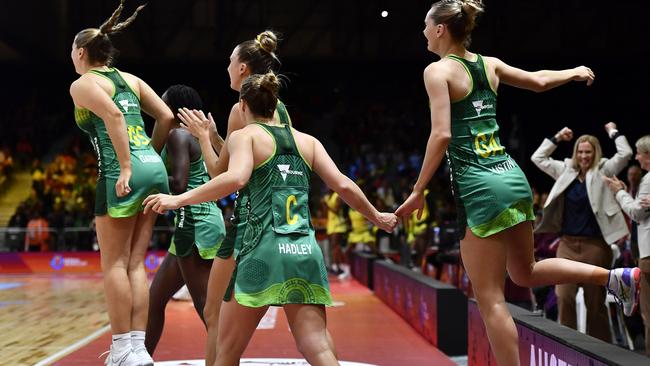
(121, 343)
(137, 339)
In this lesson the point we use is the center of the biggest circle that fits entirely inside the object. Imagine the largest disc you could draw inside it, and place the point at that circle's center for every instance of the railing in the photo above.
(72, 238)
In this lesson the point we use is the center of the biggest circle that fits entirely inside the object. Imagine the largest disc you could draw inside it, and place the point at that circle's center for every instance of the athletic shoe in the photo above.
(126, 359)
(144, 356)
(624, 284)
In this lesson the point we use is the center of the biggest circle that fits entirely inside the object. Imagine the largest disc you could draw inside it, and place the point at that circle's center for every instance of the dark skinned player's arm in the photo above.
(178, 150)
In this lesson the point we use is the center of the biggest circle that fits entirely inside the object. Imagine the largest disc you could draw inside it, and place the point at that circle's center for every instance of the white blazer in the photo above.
(639, 214)
(603, 203)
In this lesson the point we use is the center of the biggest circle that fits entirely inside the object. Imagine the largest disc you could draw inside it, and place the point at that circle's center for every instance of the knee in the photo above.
(522, 279)
(313, 345)
(522, 274)
(136, 263)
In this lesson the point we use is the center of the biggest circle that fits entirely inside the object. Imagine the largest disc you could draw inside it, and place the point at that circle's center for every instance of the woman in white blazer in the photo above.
(585, 213)
(639, 210)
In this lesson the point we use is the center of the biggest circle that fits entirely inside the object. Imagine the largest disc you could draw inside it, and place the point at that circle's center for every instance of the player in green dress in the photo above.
(493, 198)
(199, 229)
(255, 56)
(108, 105)
(278, 260)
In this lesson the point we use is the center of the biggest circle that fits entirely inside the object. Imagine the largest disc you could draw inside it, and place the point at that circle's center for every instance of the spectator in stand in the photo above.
(6, 161)
(37, 237)
(17, 224)
(336, 229)
(582, 210)
(633, 182)
(639, 210)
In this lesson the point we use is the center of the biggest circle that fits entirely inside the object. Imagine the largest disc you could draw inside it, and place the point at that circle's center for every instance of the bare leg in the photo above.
(137, 273)
(114, 237)
(196, 272)
(220, 275)
(485, 263)
(309, 328)
(526, 272)
(485, 260)
(236, 327)
(167, 282)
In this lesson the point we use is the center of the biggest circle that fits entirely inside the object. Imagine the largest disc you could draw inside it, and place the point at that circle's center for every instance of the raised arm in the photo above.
(438, 91)
(178, 150)
(349, 192)
(539, 81)
(619, 161)
(236, 177)
(195, 122)
(542, 156)
(86, 93)
(152, 105)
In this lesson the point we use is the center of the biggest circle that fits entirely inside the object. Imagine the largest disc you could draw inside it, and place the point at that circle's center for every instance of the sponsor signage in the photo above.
(64, 262)
(543, 342)
(436, 310)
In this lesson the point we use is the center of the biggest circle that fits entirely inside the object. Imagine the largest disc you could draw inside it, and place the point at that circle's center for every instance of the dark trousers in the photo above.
(593, 251)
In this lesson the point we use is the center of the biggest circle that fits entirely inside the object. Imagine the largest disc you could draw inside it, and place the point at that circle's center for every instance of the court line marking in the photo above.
(73, 347)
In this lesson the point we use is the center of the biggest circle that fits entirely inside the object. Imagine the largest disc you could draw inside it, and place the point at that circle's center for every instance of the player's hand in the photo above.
(160, 203)
(414, 202)
(122, 187)
(196, 122)
(386, 221)
(583, 73)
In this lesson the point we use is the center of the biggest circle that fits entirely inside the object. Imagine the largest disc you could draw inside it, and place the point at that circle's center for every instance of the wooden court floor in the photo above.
(61, 320)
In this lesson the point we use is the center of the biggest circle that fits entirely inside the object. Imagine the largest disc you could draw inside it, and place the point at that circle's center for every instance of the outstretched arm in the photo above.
(325, 167)
(542, 80)
(236, 177)
(438, 91)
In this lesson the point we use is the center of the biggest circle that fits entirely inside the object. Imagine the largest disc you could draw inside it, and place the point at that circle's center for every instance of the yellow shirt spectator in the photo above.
(335, 219)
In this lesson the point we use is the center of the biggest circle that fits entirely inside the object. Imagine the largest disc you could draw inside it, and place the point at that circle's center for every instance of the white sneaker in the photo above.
(126, 359)
(144, 356)
(344, 276)
(624, 284)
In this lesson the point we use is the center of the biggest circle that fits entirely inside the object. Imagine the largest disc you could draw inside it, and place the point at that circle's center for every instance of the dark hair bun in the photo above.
(270, 82)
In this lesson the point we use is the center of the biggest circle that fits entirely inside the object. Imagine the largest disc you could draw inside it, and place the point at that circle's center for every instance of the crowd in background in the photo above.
(372, 142)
